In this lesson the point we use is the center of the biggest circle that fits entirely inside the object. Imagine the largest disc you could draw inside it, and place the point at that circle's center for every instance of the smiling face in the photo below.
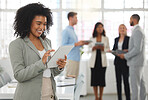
(38, 26)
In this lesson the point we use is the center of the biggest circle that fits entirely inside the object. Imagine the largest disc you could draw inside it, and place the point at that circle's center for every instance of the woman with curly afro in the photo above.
(30, 52)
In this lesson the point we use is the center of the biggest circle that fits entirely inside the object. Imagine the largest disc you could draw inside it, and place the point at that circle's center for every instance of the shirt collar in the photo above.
(70, 27)
(135, 26)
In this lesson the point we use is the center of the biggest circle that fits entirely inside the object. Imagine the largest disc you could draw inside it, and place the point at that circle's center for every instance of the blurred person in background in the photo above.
(135, 59)
(121, 67)
(69, 37)
(98, 61)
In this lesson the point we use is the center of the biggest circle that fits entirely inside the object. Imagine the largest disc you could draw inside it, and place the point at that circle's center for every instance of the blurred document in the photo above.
(87, 41)
(116, 52)
(99, 44)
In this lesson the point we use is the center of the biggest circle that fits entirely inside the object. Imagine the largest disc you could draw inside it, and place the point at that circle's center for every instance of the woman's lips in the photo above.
(40, 32)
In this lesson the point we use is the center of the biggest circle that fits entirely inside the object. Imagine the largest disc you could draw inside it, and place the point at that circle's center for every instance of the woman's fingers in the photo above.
(50, 51)
(45, 57)
(65, 57)
(62, 62)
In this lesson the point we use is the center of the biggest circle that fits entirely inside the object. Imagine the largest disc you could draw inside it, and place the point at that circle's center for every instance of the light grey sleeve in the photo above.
(137, 41)
(21, 72)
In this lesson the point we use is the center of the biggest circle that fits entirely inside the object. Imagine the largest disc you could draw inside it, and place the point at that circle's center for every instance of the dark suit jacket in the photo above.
(117, 60)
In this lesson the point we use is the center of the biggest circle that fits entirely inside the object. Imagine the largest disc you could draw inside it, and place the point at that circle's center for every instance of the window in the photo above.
(6, 32)
(113, 4)
(111, 23)
(71, 4)
(133, 3)
(145, 3)
(111, 13)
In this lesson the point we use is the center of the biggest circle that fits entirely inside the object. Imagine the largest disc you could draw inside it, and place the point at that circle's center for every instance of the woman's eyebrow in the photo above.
(39, 21)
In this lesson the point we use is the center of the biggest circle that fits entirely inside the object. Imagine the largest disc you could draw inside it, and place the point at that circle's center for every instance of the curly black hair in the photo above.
(25, 15)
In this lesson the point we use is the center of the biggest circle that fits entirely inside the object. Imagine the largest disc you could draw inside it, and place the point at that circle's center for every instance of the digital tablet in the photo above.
(116, 52)
(99, 44)
(59, 54)
(87, 41)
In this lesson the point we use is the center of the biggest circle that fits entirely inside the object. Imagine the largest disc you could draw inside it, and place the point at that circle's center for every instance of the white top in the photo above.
(47, 72)
(120, 45)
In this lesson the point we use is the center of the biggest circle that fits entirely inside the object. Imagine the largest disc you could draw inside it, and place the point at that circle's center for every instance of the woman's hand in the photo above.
(98, 47)
(46, 55)
(62, 62)
(126, 50)
(121, 56)
(101, 48)
(109, 51)
(94, 48)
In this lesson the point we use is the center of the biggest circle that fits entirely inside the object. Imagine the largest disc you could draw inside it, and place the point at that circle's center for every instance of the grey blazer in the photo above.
(28, 68)
(135, 56)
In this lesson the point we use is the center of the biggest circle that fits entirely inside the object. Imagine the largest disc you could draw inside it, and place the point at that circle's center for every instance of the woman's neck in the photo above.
(99, 35)
(122, 36)
(33, 38)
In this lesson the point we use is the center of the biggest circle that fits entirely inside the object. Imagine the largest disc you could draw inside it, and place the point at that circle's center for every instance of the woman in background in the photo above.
(99, 46)
(121, 68)
(30, 52)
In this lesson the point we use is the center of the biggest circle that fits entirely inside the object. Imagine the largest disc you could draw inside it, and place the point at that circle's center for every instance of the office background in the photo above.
(110, 12)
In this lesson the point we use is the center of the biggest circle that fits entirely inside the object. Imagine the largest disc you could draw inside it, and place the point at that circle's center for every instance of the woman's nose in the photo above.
(42, 27)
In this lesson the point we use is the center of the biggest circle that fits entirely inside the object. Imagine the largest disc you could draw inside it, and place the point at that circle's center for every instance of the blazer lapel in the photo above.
(117, 43)
(93, 41)
(30, 44)
(124, 43)
(103, 40)
(44, 44)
